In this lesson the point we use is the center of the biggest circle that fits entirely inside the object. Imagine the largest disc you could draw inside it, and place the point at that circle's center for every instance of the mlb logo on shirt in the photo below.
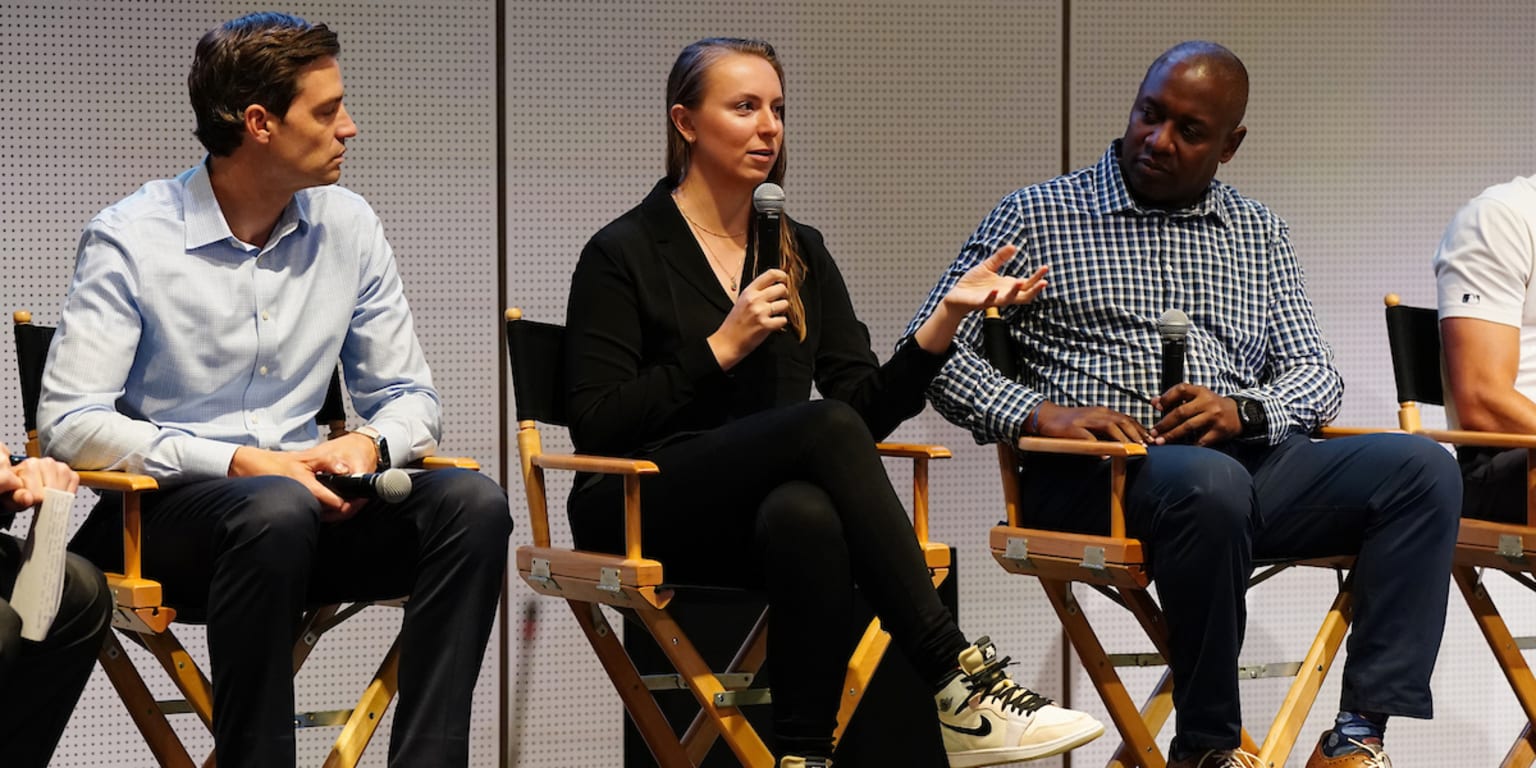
(1471, 298)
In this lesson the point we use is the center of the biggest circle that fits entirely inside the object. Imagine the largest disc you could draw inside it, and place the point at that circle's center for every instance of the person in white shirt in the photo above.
(1487, 303)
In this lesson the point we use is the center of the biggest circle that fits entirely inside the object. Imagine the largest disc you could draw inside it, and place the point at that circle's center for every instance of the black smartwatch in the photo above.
(380, 445)
(1251, 415)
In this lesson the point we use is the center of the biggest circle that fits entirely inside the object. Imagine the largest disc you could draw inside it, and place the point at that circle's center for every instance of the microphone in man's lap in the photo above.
(768, 201)
(1173, 327)
(391, 485)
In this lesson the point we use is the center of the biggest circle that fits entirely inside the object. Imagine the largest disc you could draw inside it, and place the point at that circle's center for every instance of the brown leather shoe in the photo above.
(1220, 758)
(1367, 753)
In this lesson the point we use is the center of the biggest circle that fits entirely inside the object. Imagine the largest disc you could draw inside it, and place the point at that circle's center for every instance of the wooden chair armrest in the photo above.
(601, 464)
(913, 451)
(1480, 439)
(1330, 432)
(121, 482)
(446, 462)
(920, 455)
(1077, 447)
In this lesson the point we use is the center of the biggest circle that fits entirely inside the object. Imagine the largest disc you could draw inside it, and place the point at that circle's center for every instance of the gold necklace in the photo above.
(701, 228)
(715, 263)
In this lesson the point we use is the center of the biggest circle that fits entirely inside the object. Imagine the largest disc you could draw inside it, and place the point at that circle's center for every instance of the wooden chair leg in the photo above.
(1309, 680)
(1155, 713)
(1511, 661)
(701, 733)
(734, 728)
(1122, 710)
(142, 707)
(184, 672)
(1523, 753)
(638, 702)
(861, 668)
(369, 712)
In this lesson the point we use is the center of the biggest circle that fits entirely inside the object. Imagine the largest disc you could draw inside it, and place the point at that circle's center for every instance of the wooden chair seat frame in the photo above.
(139, 611)
(634, 584)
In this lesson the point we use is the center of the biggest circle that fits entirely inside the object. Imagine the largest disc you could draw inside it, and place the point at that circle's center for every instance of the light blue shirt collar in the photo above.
(205, 219)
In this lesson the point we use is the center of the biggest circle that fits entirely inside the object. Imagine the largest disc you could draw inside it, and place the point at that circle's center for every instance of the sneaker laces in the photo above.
(1237, 758)
(992, 681)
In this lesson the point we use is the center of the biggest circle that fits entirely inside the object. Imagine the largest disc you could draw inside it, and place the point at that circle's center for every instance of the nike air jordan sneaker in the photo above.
(988, 719)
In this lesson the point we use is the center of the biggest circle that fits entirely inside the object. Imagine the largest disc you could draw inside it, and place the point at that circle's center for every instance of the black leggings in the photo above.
(802, 489)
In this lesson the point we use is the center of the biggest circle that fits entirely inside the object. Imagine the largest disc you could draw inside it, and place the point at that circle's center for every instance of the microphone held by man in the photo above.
(1173, 328)
(391, 485)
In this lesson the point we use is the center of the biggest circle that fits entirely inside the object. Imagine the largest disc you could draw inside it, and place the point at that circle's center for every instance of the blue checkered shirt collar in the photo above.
(1110, 195)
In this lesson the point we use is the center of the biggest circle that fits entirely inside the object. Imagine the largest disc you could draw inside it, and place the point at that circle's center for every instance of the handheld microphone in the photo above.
(768, 201)
(391, 485)
(1173, 327)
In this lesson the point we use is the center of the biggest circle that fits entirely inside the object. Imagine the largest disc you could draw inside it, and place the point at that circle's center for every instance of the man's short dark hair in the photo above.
(255, 59)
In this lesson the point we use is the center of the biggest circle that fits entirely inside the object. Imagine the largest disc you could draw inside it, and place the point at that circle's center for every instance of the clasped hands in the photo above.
(1191, 414)
(347, 454)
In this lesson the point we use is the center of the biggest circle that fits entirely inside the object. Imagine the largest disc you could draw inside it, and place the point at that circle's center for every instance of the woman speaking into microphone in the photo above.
(673, 357)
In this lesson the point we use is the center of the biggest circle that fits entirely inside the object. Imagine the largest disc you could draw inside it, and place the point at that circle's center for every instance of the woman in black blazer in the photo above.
(671, 359)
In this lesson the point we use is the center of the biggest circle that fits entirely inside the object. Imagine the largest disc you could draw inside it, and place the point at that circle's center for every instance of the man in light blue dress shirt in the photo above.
(1230, 473)
(205, 318)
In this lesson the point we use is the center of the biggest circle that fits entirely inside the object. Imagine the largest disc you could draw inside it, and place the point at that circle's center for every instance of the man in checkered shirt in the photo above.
(1230, 473)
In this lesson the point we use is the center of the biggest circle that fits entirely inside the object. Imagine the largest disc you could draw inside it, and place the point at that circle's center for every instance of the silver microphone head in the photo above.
(768, 198)
(393, 485)
(1173, 325)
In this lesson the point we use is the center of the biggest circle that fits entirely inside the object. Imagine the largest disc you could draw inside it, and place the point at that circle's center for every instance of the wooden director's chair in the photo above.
(1115, 565)
(1414, 336)
(141, 615)
(637, 586)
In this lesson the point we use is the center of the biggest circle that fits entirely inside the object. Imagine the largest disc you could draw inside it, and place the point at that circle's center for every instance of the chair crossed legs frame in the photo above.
(140, 612)
(1481, 545)
(1116, 566)
(631, 583)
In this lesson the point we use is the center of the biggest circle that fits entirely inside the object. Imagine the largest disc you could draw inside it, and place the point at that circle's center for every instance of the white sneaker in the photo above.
(988, 719)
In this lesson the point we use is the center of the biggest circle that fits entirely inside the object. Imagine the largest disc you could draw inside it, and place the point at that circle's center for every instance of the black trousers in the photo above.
(1206, 515)
(796, 501)
(1493, 484)
(40, 682)
(248, 555)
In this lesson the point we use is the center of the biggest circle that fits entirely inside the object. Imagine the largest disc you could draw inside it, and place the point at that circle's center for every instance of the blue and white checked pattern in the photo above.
(1091, 338)
(178, 343)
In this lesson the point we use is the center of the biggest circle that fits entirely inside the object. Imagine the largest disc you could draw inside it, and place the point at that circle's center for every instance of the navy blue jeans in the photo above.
(1207, 514)
(248, 555)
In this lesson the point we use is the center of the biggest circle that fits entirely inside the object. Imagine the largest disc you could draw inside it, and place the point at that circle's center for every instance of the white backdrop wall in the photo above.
(1369, 124)
(96, 101)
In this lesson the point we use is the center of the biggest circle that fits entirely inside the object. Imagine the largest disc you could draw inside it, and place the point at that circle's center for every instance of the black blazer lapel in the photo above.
(677, 247)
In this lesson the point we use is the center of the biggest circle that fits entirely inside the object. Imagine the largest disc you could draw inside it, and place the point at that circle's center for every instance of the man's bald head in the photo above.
(1213, 61)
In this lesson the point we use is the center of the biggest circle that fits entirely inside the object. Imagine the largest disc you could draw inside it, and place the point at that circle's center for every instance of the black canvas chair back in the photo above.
(538, 370)
(31, 352)
(1413, 334)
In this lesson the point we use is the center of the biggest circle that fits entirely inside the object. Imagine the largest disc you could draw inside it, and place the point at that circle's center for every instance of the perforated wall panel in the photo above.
(97, 104)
